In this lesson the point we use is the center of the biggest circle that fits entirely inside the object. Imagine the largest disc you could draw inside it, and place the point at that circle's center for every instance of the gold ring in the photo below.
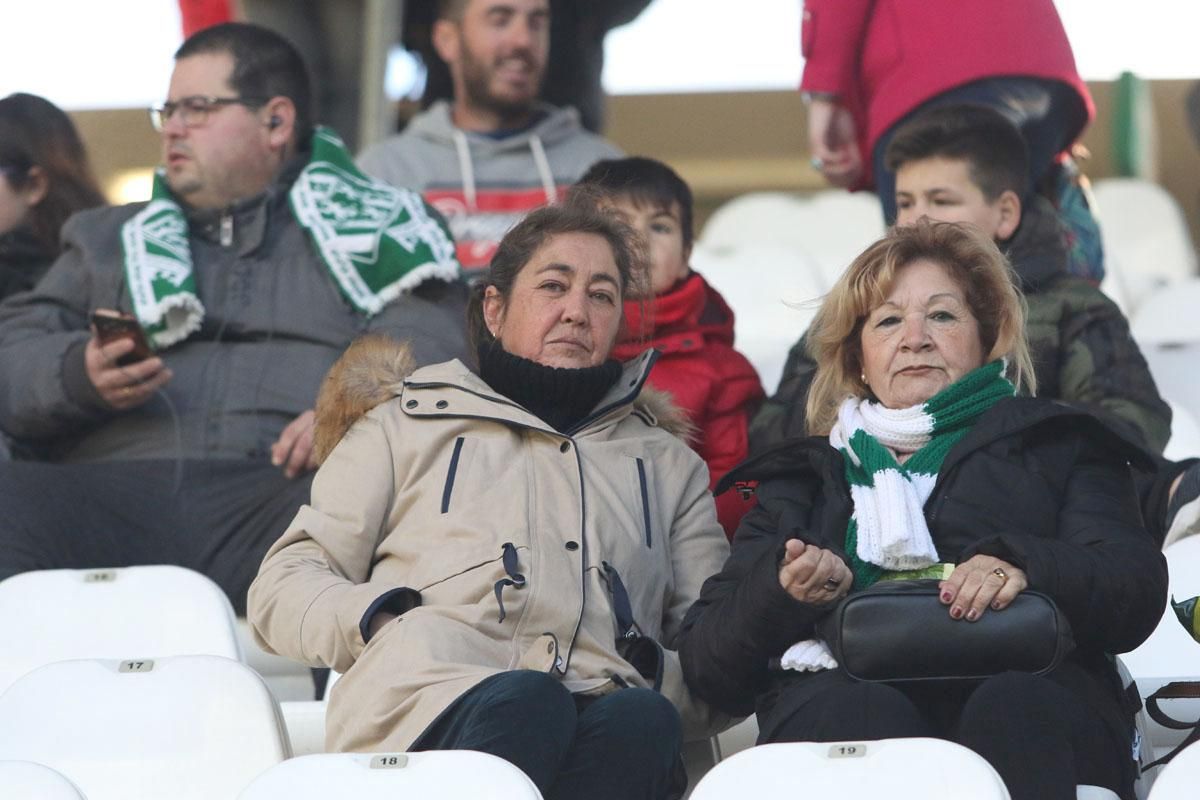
(1003, 575)
(126, 391)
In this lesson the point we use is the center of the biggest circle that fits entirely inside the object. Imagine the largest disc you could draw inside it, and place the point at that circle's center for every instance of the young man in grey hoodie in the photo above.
(495, 153)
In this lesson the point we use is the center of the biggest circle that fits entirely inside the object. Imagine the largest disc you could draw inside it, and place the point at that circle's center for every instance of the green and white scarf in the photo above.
(888, 537)
(377, 242)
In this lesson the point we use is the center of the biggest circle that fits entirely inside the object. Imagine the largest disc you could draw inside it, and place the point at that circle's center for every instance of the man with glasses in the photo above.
(262, 254)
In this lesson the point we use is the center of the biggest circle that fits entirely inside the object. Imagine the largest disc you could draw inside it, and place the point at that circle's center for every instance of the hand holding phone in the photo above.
(113, 325)
(120, 363)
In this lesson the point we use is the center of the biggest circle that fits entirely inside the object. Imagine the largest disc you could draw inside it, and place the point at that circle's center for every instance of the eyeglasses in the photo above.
(194, 110)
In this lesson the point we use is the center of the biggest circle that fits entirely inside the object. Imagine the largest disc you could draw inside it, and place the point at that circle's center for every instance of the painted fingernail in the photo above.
(972, 615)
(956, 612)
(947, 597)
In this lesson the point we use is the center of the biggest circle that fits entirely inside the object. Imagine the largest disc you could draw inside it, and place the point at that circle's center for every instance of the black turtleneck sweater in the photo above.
(559, 396)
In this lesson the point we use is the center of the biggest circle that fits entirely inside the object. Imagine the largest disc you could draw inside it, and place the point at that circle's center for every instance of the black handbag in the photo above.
(900, 631)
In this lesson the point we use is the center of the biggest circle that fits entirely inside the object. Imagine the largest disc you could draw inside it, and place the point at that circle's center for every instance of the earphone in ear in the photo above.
(274, 122)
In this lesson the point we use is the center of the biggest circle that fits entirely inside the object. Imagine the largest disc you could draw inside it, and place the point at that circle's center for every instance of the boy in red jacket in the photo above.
(686, 319)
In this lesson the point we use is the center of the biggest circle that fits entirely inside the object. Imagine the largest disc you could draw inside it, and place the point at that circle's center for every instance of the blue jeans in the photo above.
(620, 745)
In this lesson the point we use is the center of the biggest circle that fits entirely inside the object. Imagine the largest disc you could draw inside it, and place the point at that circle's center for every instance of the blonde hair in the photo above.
(975, 264)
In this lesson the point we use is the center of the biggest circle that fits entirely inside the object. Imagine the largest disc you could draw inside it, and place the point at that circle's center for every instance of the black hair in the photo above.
(579, 214)
(265, 65)
(645, 181)
(996, 155)
(36, 133)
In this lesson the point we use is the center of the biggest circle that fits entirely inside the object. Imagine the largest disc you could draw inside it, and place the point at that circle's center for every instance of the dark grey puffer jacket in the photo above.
(274, 324)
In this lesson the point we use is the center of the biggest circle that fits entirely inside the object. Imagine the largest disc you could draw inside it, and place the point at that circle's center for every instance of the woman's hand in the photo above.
(813, 575)
(979, 583)
(833, 142)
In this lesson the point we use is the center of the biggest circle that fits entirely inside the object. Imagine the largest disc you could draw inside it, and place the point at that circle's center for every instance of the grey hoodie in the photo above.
(482, 184)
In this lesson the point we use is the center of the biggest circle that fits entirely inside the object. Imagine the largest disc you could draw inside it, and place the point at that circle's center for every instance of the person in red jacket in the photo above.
(686, 320)
(871, 64)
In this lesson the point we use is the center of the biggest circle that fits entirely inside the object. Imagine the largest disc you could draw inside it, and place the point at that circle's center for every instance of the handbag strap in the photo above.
(1176, 690)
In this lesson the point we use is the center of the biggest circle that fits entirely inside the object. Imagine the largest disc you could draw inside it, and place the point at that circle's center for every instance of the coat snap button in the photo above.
(564, 447)
(441, 404)
(411, 404)
(572, 545)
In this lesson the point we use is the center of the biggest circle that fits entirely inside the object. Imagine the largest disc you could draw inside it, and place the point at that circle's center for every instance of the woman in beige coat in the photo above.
(500, 560)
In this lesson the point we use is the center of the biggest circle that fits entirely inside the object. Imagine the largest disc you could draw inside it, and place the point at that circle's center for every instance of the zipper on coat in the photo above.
(450, 473)
(226, 228)
(509, 559)
(641, 468)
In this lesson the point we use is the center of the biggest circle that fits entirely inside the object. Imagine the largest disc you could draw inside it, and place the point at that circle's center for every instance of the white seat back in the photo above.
(386, 776)
(774, 292)
(182, 727)
(25, 780)
(1180, 779)
(898, 769)
(1170, 654)
(1185, 433)
(131, 612)
(755, 218)
(1168, 315)
(840, 225)
(1146, 239)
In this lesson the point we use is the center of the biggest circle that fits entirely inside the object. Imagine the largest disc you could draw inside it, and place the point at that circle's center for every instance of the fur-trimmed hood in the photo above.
(373, 370)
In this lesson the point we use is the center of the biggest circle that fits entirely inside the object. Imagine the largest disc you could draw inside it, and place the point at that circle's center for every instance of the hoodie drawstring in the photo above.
(543, 168)
(463, 147)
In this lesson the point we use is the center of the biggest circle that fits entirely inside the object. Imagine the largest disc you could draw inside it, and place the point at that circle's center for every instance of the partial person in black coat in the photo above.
(44, 178)
(923, 460)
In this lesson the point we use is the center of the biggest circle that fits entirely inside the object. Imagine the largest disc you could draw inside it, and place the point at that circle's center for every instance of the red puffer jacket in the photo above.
(692, 326)
(885, 57)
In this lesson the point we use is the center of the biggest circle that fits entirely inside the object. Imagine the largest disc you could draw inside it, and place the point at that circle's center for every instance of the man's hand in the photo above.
(813, 575)
(833, 142)
(979, 583)
(124, 387)
(294, 450)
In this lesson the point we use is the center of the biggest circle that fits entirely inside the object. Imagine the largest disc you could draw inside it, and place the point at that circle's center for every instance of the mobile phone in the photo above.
(113, 325)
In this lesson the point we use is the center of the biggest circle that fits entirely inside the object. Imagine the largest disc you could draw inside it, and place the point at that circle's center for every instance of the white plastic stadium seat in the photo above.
(838, 226)
(182, 727)
(386, 776)
(1185, 433)
(898, 769)
(25, 780)
(1168, 316)
(774, 292)
(1146, 239)
(1170, 654)
(1180, 779)
(132, 612)
(756, 218)
(288, 679)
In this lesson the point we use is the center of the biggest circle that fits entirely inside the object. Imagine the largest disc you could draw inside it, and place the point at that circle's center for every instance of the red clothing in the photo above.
(196, 15)
(692, 326)
(883, 58)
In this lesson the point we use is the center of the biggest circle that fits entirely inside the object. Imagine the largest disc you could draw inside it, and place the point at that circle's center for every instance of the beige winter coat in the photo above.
(428, 491)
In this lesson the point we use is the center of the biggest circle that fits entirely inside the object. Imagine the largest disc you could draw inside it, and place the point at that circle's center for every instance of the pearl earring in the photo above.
(863, 377)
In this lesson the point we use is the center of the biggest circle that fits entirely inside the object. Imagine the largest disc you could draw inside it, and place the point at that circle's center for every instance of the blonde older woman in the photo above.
(921, 455)
(500, 559)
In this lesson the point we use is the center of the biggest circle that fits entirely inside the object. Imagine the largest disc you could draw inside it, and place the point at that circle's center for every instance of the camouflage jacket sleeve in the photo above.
(781, 416)
(1084, 353)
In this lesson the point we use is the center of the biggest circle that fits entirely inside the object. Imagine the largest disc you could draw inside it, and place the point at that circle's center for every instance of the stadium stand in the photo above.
(145, 611)
(380, 776)
(899, 769)
(182, 727)
(1146, 240)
